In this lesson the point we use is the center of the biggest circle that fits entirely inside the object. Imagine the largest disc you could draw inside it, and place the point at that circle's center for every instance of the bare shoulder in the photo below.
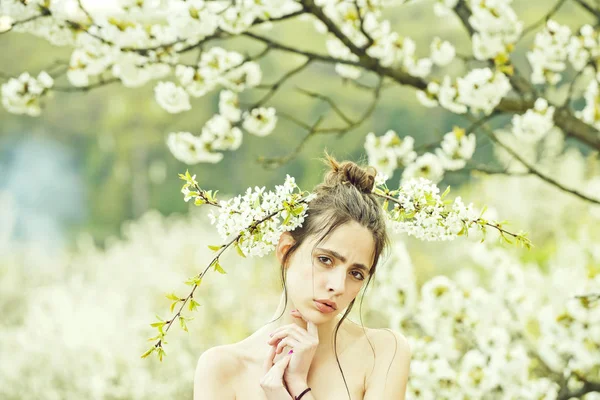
(388, 367)
(215, 372)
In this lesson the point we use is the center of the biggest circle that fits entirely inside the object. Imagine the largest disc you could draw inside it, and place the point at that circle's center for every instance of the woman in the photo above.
(309, 351)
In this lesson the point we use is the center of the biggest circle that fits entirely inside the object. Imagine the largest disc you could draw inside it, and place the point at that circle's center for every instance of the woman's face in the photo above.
(341, 264)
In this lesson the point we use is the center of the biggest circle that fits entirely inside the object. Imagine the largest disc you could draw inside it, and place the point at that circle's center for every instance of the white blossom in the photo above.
(448, 97)
(260, 121)
(547, 59)
(248, 75)
(191, 149)
(219, 134)
(535, 123)
(172, 98)
(590, 114)
(427, 166)
(229, 105)
(236, 20)
(442, 52)
(22, 95)
(388, 152)
(443, 8)
(456, 149)
(258, 205)
(196, 81)
(482, 89)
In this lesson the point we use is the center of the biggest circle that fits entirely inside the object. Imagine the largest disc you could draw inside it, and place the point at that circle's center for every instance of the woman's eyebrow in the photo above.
(343, 259)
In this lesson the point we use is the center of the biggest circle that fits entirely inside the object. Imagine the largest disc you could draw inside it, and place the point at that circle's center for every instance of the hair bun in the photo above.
(348, 172)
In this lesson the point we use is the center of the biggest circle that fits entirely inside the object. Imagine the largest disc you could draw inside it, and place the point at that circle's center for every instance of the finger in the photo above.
(296, 333)
(280, 366)
(268, 364)
(287, 342)
(282, 328)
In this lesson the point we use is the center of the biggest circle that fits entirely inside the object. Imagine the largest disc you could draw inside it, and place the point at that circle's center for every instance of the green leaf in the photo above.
(239, 250)
(297, 210)
(171, 296)
(445, 193)
(215, 248)
(158, 324)
(182, 324)
(173, 305)
(150, 351)
(193, 305)
(161, 354)
(287, 218)
(218, 267)
(483, 211)
(160, 336)
(194, 280)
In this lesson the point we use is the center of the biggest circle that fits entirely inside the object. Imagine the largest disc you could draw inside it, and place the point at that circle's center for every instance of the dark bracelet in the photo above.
(302, 394)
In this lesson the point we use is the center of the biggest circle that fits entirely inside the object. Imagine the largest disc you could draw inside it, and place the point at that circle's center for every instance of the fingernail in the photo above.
(271, 334)
(290, 352)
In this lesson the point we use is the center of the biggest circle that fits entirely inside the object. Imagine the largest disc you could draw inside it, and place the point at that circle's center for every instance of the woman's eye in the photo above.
(358, 275)
(324, 260)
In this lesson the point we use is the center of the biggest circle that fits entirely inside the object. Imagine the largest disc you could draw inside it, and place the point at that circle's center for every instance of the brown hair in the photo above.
(344, 195)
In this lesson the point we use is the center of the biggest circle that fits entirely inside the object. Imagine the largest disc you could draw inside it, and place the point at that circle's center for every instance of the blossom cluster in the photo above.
(22, 95)
(506, 324)
(221, 131)
(556, 44)
(535, 123)
(370, 31)
(388, 152)
(496, 26)
(494, 336)
(549, 53)
(99, 342)
(481, 89)
(590, 114)
(257, 219)
(419, 210)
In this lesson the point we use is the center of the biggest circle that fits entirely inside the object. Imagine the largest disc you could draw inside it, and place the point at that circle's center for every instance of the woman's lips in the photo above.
(323, 308)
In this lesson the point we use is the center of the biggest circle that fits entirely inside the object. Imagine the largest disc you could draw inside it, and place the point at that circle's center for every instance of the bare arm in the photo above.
(214, 373)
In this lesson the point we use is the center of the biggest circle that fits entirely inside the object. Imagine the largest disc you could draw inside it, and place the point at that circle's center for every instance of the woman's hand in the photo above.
(272, 383)
(304, 342)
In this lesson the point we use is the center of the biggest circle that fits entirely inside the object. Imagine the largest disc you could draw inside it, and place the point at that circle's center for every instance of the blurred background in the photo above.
(94, 230)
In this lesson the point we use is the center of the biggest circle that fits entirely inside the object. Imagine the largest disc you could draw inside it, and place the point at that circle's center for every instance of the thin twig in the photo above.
(535, 171)
(543, 20)
(275, 86)
(588, 8)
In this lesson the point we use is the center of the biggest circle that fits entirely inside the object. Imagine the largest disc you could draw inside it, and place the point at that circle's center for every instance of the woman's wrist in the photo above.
(297, 386)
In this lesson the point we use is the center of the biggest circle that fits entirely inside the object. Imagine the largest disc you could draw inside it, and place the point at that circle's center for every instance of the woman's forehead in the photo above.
(350, 240)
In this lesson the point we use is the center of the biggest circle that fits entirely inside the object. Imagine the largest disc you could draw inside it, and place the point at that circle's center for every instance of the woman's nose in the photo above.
(336, 281)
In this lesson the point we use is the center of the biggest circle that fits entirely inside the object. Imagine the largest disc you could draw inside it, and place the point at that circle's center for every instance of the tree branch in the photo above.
(543, 20)
(535, 171)
(86, 88)
(274, 87)
(588, 8)
(315, 56)
(313, 130)
(32, 18)
(588, 387)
